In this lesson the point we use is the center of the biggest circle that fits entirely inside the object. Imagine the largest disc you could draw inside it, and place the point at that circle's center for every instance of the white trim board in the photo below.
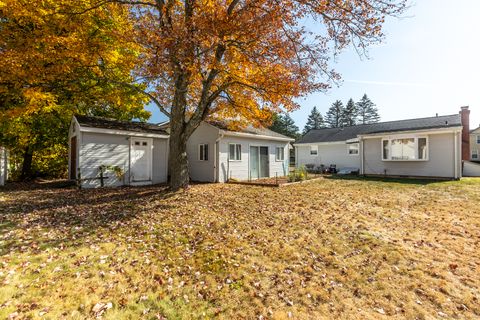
(123, 132)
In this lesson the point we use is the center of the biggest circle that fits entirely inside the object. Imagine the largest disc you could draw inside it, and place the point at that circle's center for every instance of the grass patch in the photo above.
(333, 248)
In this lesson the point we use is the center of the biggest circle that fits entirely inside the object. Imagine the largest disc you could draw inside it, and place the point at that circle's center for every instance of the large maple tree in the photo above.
(239, 60)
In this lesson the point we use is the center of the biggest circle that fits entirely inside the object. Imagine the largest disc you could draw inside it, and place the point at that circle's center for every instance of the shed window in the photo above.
(313, 150)
(235, 152)
(405, 149)
(280, 154)
(203, 152)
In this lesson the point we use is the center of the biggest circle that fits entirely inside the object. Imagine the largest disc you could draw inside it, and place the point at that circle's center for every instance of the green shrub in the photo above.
(299, 174)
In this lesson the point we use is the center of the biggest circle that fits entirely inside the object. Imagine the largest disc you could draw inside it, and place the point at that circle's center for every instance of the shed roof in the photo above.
(351, 132)
(106, 123)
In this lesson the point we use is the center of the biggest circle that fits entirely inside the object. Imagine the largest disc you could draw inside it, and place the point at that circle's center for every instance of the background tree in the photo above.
(53, 64)
(241, 60)
(314, 121)
(284, 124)
(349, 115)
(333, 117)
(367, 111)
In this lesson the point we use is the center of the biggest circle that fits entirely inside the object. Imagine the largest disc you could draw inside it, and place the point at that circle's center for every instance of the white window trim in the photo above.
(235, 144)
(199, 151)
(427, 158)
(316, 150)
(358, 149)
(283, 154)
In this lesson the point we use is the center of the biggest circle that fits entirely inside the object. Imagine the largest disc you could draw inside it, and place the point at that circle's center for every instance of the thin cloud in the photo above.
(387, 83)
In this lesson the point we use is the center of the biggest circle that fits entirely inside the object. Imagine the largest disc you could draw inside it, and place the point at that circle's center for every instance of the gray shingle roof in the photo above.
(346, 133)
(249, 129)
(105, 123)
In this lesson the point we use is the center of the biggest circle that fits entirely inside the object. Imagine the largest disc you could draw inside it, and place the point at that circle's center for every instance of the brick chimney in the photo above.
(465, 116)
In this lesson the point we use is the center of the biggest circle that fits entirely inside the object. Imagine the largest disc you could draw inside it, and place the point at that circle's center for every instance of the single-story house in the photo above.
(134, 153)
(3, 165)
(216, 153)
(424, 147)
(128, 153)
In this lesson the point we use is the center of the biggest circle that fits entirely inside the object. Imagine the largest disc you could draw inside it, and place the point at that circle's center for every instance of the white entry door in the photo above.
(141, 160)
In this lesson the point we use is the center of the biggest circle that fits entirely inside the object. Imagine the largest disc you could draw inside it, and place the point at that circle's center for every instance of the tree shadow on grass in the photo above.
(398, 180)
(38, 218)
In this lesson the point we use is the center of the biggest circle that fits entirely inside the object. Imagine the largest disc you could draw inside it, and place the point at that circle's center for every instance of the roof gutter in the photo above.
(123, 132)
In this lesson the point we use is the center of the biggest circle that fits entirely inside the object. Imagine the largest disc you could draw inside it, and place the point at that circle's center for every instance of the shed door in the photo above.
(259, 164)
(73, 158)
(140, 160)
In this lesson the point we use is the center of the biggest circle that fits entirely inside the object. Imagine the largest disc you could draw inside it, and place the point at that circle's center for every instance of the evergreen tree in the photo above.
(333, 117)
(367, 112)
(349, 116)
(284, 124)
(314, 121)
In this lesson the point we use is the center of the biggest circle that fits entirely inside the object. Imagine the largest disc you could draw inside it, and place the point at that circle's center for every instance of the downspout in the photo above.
(455, 154)
(216, 174)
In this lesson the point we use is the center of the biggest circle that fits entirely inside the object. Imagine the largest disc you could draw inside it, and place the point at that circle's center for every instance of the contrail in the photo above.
(386, 83)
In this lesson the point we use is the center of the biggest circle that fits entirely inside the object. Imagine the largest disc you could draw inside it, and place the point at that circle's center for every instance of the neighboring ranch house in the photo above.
(140, 152)
(425, 147)
(133, 153)
(216, 154)
(3, 166)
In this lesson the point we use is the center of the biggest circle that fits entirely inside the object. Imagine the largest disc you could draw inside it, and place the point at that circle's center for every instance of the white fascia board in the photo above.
(254, 136)
(123, 132)
(407, 132)
(318, 143)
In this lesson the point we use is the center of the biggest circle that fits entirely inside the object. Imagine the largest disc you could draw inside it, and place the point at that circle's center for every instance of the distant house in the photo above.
(475, 145)
(139, 152)
(130, 153)
(216, 153)
(424, 147)
(3, 165)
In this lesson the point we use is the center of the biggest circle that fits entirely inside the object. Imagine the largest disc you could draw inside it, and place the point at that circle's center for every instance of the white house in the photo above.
(216, 154)
(130, 153)
(425, 147)
(3, 165)
(134, 153)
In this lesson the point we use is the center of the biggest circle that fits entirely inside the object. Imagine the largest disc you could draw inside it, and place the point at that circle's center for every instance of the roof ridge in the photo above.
(390, 121)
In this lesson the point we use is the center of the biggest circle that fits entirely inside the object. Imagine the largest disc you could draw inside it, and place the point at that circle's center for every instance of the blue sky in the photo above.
(429, 63)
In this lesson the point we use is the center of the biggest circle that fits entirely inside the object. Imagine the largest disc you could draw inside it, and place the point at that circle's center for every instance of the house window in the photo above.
(280, 154)
(313, 150)
(203, 152)
(235, 152)
(405, 149)
(353, 149)
(478, 139)
(475, 154)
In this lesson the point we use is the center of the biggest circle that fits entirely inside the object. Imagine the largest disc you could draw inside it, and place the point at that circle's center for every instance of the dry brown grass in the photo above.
(352, 249)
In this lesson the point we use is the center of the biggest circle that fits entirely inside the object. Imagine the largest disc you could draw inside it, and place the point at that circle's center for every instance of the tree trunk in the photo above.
(27, 164)
(178, 161)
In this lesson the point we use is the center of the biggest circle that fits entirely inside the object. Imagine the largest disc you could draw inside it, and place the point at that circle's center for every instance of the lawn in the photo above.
(330, 248)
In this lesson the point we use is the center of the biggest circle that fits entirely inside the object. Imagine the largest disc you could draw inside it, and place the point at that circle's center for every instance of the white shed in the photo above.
(216, 154)
(128, 153)
(3, 166)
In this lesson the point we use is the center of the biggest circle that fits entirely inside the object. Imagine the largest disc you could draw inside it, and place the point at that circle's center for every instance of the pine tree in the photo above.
(350, 115)
(367, 112)
(333, 117)
(314, 121)
(284, 124)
